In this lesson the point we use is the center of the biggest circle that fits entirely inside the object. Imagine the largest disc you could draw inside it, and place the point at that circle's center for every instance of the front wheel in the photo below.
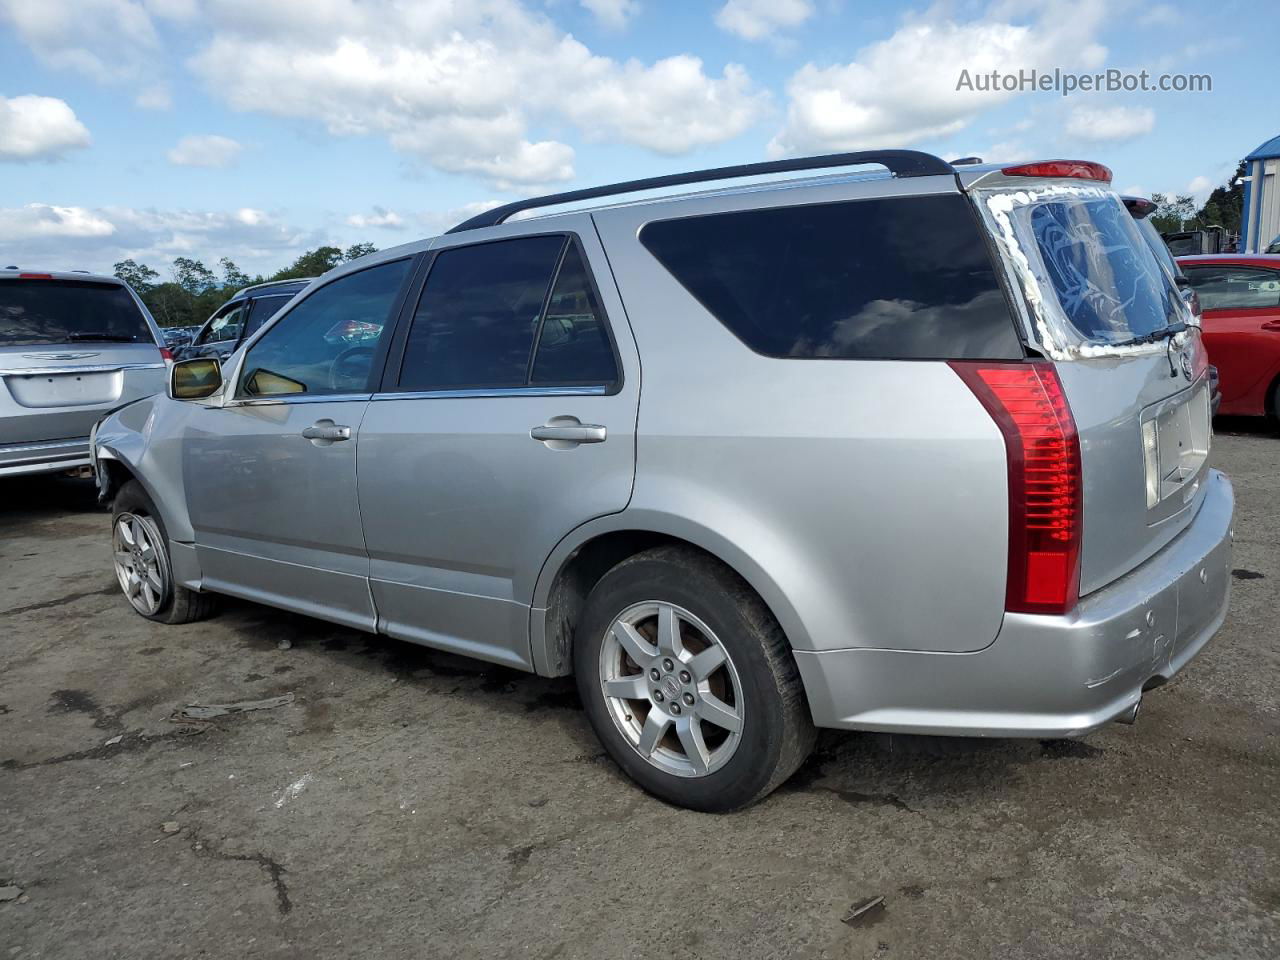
(140, 551)
(689, 681)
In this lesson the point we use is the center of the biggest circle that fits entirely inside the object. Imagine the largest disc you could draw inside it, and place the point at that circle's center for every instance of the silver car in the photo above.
(73, 347)
(923, 450)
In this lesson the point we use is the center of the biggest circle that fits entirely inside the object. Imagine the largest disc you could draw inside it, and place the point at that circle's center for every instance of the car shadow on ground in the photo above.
(1246, 426)
(44, 497)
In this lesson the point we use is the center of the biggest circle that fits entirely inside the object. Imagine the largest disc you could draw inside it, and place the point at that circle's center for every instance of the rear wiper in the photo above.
(1154, 337)
(103, 337)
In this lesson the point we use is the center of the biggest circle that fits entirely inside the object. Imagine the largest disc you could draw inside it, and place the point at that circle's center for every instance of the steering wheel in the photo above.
(351, 364)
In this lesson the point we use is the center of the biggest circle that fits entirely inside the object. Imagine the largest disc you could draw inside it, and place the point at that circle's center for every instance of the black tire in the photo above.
(777, 732)
(177, 603)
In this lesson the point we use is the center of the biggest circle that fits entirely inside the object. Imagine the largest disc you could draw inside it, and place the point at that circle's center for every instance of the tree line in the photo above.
(195, 291)
(1224, 208)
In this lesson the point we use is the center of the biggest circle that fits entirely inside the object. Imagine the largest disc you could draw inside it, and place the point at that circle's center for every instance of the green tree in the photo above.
(312, 263)
(1225, 205)
(1174, 212)
(193, 276)
(137, 275)
(358, 250)
(233, 276)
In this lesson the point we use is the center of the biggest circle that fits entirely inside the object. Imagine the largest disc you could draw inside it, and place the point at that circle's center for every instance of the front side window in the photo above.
(36, 311)
(327, 343)
(225, 326)
(893, 278)
(1235, 288)
(508, 314)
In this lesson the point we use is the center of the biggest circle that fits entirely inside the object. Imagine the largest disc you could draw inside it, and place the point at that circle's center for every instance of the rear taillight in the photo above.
(166, 353)
(1079, 169)
(1045, 494)
(35, 276)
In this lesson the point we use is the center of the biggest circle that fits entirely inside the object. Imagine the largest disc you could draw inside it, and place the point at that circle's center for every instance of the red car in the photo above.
(1240, 296)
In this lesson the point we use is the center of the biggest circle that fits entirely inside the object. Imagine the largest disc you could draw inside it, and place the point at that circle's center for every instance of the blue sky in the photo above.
(257, 128)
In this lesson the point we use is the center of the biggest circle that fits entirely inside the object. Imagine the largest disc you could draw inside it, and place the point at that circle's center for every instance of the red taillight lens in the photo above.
(166, 353)
(35, 276)
(1080, 169)
(1045, 494)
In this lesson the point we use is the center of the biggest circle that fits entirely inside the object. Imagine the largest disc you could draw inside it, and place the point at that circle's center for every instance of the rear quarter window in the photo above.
(883, 278)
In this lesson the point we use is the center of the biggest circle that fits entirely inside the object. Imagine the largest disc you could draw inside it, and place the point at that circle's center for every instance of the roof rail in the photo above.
(901, 163)
(272, 283)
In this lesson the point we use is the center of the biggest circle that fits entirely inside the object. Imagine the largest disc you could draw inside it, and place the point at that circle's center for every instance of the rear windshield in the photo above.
(1158, 247)
(883, 278)
(69, 311)
(1099, 280)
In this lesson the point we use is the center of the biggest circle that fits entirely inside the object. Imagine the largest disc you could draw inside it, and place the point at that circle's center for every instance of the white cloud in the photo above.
(409, 72)
(38, 128)
(1200, 188)
(386, 219)
(205, 150)
(110, 41)
(41, 220)
(612, 14)
(1159, 15)
(758, 19)
(902, 90)
(56, 237)
(1094, 124)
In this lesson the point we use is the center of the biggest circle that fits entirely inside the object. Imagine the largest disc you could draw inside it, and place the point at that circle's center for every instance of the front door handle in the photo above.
(324, 432)
(562, 433)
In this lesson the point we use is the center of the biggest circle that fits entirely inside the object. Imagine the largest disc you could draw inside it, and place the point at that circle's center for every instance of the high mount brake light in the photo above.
(1079, 169)
(35, 276)
(1045, 489)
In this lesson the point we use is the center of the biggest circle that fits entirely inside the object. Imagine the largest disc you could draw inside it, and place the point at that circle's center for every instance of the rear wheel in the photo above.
(140, 553)
(689, 681)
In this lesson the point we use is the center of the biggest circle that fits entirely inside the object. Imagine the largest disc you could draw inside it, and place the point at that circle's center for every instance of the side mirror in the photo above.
(195, 379)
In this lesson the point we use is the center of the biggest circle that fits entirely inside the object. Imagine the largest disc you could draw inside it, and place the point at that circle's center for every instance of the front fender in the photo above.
(144, 438)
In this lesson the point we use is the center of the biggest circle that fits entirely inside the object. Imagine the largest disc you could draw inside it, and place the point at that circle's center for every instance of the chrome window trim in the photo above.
(295, 398)
(96, 368)
(468, 394)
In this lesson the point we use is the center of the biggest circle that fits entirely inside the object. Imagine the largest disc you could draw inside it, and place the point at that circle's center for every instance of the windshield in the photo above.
(69, 311)
(1092, 277)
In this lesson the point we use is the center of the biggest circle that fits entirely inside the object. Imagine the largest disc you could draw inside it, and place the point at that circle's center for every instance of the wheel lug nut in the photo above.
(675, 708)
(668, 666)
(654, 675)
(657, 696)
(688, 699)
(685, 676)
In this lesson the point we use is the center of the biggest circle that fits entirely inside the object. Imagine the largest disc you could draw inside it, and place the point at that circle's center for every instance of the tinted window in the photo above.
(1158, 247)
(479, 312)
(573, 344)
(1235, 288)
(262, 310)
(327, 343)
(886, 278)
(69, 311)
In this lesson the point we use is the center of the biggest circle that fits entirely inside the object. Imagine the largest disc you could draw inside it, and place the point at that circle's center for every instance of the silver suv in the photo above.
(923, 451)
(73, 347)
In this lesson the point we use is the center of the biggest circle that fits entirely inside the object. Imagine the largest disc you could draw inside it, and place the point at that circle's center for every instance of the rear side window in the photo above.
(508, 314)
(69, 311)
(892, 278)
(1235, 288)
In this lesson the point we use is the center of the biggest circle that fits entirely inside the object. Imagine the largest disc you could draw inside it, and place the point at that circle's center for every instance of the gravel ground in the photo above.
(412, 804)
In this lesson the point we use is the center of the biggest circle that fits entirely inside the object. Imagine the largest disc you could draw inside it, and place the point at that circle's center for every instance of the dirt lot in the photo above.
(410, 804)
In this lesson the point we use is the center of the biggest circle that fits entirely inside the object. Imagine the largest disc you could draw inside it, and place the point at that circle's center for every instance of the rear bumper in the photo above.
(50, 456)
(1046, 676)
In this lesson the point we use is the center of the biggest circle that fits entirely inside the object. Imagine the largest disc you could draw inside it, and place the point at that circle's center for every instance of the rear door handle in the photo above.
(324, 432)
(560, 433)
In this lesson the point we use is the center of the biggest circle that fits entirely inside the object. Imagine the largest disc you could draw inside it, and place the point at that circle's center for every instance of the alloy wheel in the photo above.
(140, 563)
(672, 689)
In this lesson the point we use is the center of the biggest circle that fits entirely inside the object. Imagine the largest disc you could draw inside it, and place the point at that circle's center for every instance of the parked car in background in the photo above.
(175, 337)
(240, 317)
(919, 451)
(1240, 299)
(1273, 246)
(73, 347)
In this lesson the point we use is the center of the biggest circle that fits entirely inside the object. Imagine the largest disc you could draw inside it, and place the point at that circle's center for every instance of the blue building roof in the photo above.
(1265, 152)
